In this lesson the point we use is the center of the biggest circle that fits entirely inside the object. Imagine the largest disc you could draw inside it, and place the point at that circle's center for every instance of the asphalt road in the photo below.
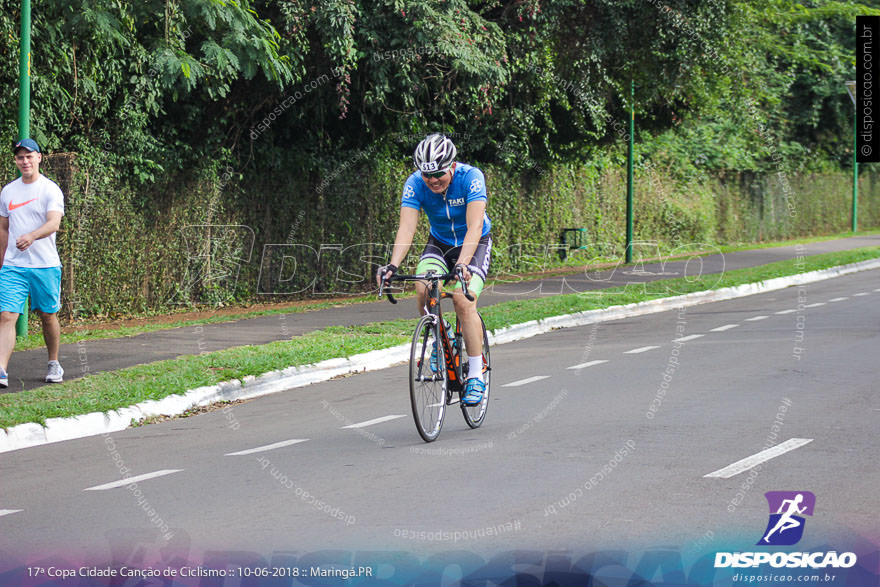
(610, 448)
(27, 369)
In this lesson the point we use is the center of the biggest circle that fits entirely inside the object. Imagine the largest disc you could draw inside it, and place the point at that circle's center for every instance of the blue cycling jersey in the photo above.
(448, 212)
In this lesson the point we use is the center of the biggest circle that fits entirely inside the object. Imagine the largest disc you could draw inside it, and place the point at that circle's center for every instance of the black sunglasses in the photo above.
(436, 174)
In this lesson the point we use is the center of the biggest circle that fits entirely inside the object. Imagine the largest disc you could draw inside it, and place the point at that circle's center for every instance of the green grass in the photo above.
(507, 313)
(35, 337)
(112, 390)
(117, 389)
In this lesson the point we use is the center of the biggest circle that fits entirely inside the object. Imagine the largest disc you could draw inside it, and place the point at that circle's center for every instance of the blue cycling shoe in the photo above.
(435, 364)
(473, 392)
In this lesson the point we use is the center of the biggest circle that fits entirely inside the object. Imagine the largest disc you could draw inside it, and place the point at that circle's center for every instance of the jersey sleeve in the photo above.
(409, 198)
(476, 186)
(55, 201)
(4, 207)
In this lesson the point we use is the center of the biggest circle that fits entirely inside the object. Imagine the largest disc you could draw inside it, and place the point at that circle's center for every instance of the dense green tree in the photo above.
(272, 83)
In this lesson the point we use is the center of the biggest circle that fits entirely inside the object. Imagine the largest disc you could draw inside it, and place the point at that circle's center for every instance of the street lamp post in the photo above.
(24, 72)
(851, 89)
(629, 174)
(24, 111)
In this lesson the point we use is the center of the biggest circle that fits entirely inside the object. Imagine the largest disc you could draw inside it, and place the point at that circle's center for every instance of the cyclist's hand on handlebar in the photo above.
(465, 273)
(385, 273)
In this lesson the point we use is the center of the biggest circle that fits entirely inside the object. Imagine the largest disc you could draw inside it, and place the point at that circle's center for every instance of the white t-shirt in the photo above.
(26, 205)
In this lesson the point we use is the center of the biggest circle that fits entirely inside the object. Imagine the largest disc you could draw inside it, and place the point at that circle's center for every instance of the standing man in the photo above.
(31, 208)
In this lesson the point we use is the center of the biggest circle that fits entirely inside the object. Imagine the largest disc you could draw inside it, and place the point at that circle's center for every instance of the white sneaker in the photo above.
(56, 373)
(4, 378)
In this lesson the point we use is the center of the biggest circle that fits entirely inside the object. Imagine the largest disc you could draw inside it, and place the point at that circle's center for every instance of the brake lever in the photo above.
(464, 287)
(387, 293)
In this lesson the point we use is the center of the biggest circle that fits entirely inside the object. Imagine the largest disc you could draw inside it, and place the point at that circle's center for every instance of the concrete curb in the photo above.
(60, 429)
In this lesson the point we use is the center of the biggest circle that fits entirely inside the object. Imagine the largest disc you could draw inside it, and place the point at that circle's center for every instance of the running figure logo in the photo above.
(786, 525)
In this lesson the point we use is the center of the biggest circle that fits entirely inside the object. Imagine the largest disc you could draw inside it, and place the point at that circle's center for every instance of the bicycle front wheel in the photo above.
(474, 415)
(427, 380)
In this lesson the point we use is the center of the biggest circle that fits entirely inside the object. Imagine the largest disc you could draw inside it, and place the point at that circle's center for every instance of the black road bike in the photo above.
(438, 361)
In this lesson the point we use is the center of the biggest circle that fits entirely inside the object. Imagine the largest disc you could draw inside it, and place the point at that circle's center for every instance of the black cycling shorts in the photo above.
(447, 255)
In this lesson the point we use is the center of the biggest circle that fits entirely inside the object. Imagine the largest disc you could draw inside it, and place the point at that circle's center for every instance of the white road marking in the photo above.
(281, 444)
(130, 480)
(789, 311)
(756, 318)
(373, 421)
(763, 456)
(526, 381)
(7, 512)
(587, 364)
(640, 350)
(723, 328)
(878, 289)
(838, 299)
(688, 338)
(816, 305)
(860, 294)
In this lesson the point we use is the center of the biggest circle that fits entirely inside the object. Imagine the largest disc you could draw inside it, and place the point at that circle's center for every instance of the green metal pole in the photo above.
(629, 174)
(24, 72)
(24, 110)
(855, 198)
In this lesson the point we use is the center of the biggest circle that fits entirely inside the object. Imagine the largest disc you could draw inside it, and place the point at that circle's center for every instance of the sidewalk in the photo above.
(27, 368)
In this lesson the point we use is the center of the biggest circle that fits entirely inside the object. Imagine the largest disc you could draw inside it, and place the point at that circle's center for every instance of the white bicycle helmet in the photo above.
(435, 153)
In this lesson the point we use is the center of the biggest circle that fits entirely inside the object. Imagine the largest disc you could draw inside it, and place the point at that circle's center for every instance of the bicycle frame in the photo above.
(435, 294)
(430, 400)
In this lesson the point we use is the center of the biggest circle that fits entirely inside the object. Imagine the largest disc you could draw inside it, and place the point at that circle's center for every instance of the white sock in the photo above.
(475, 367)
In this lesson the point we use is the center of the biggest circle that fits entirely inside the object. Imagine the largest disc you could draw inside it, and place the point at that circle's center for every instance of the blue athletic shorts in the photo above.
(42, 283)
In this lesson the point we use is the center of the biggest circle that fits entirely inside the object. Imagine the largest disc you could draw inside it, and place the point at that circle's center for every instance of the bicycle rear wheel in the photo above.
(427, 387)
(474, 415)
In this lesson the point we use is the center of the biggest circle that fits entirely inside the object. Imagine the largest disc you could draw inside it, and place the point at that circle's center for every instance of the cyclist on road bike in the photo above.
(453, 196)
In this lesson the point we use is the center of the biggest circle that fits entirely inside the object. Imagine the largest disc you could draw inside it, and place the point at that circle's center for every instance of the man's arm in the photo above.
(53, 223)
(4, 237)
(409, 221)
(476, 211)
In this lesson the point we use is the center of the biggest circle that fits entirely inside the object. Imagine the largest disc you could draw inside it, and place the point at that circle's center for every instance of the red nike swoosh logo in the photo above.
(14, 206)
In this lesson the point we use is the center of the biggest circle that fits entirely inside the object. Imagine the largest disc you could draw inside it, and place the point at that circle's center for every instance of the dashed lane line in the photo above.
(684, 339)
(640, 350)
(273, 446)
(758, 458)
(130, 480)
(7, 512)
(526, 381)
(725, 327)
(588, 364)
(861, 294)
(373, 421)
